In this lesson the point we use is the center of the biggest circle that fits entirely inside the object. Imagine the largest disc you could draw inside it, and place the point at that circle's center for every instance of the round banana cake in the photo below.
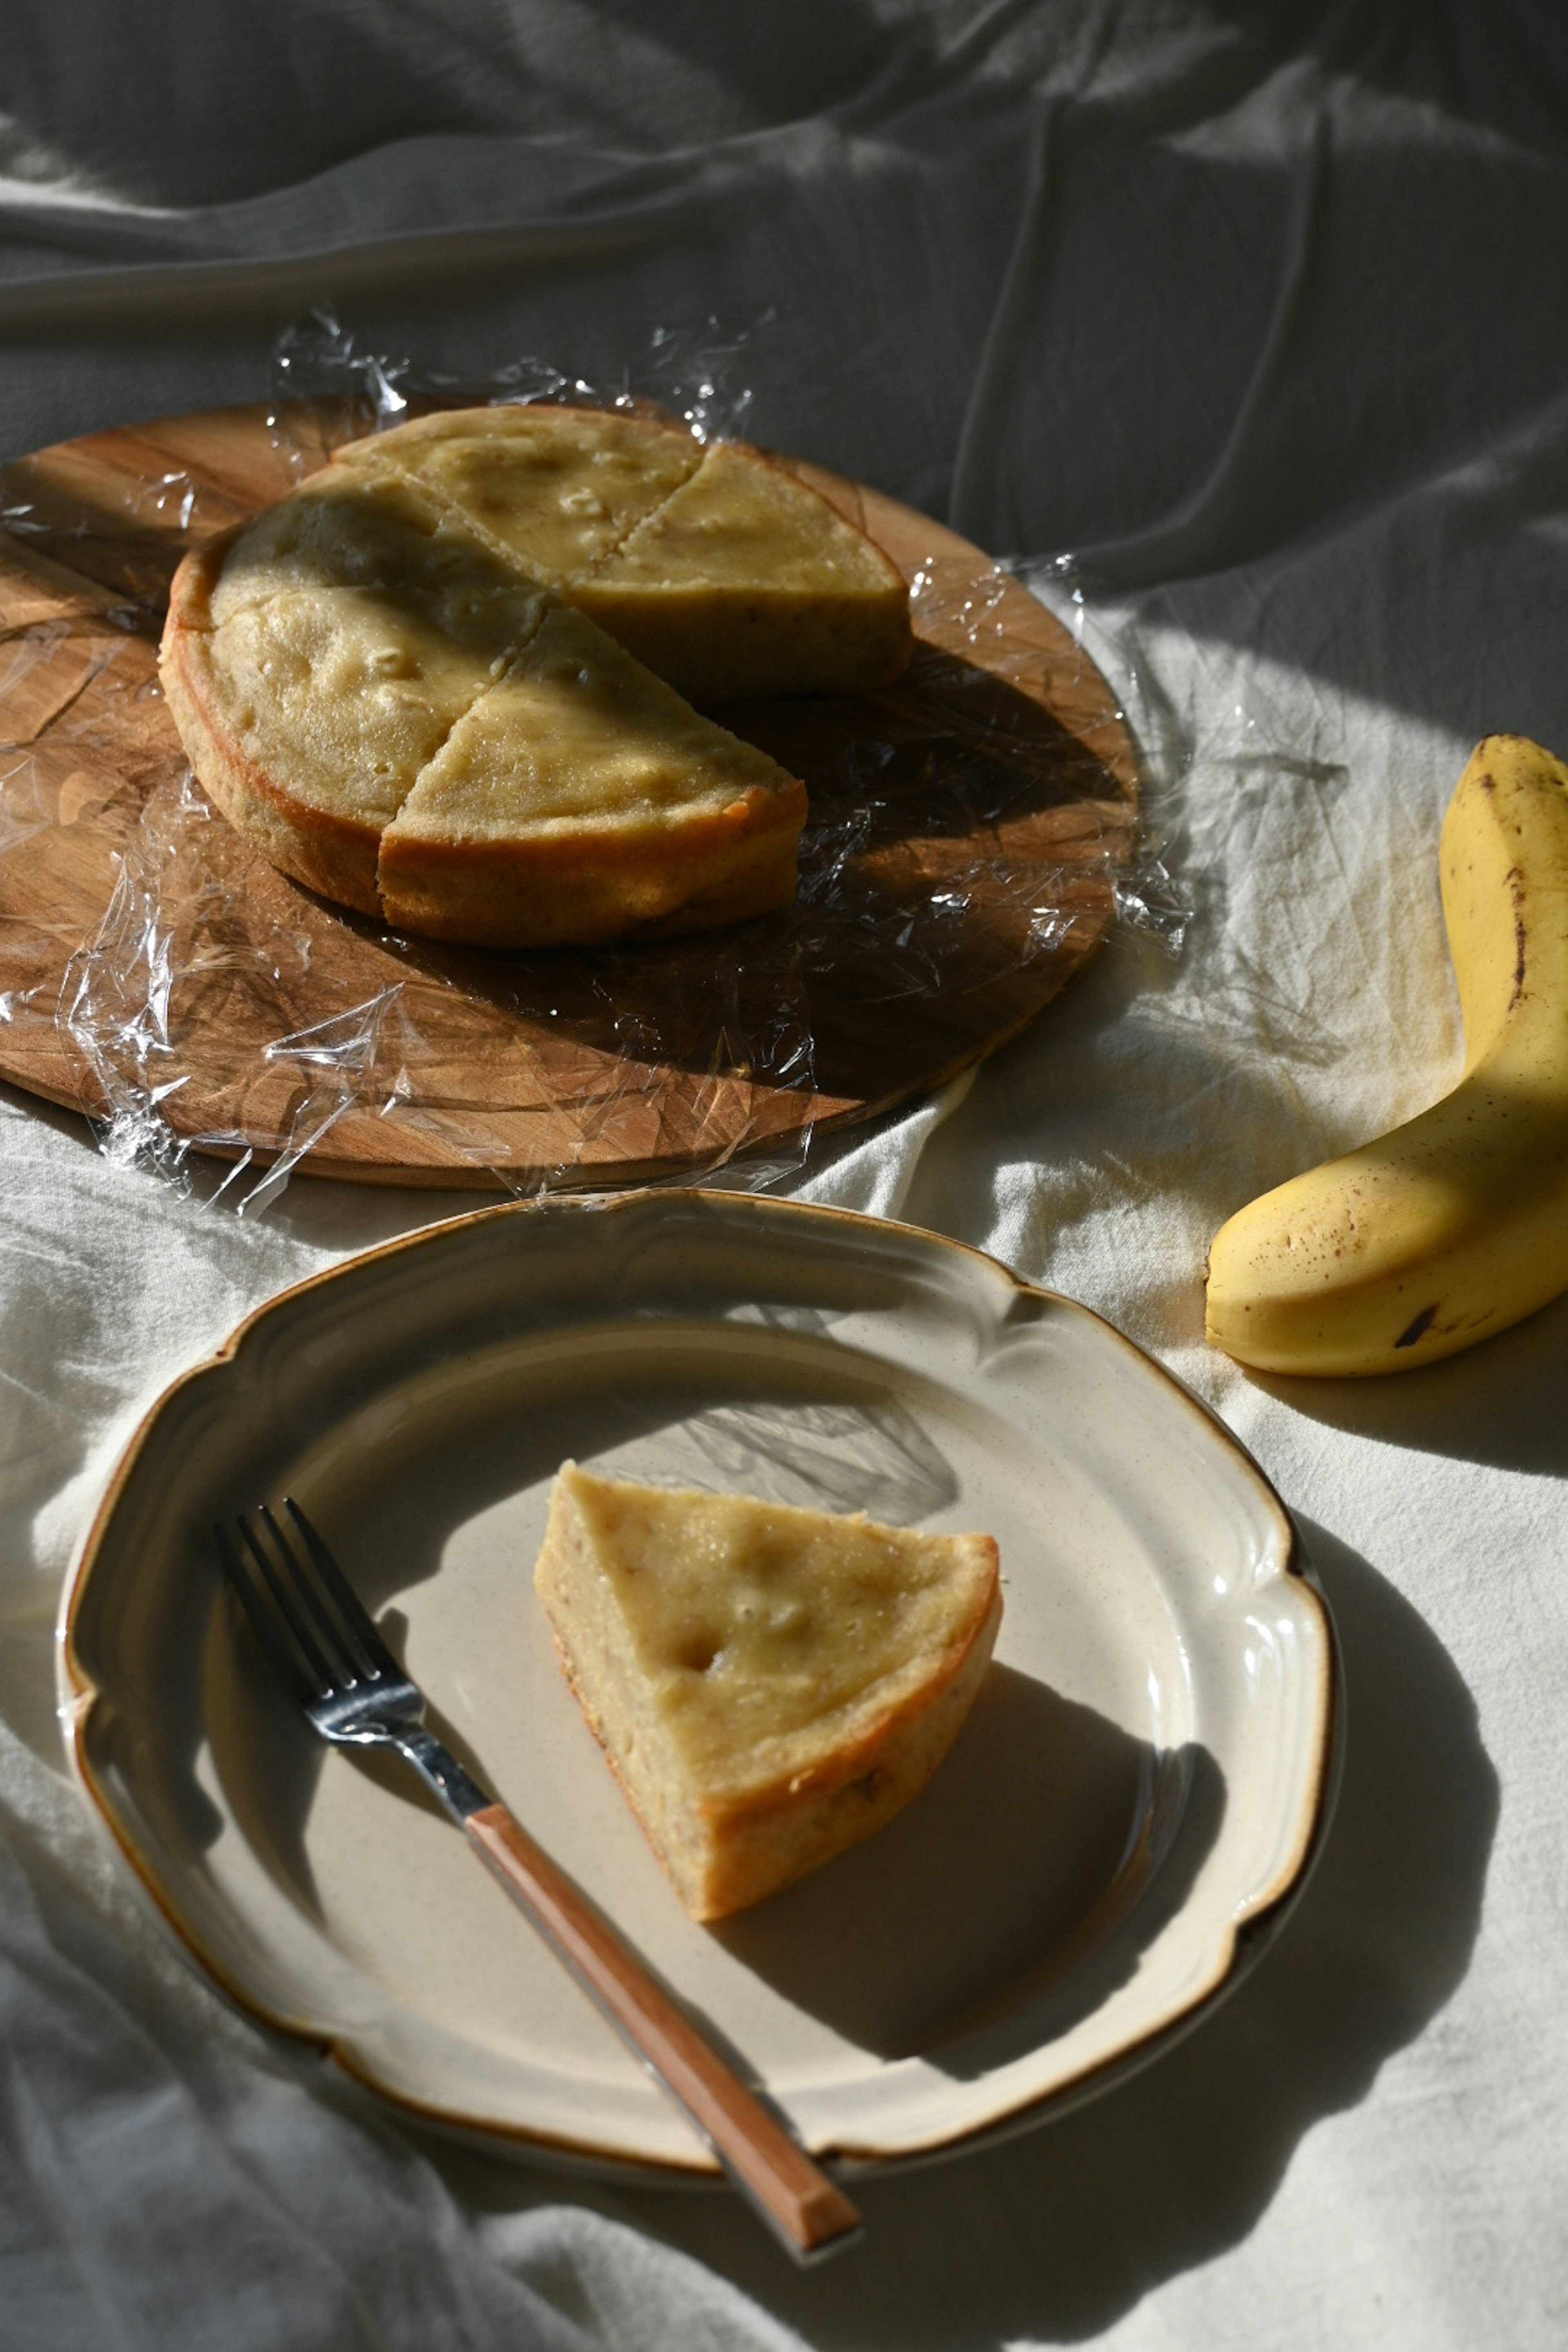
(444, 682)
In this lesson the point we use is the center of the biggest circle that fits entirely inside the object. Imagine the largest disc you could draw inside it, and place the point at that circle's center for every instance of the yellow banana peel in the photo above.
(1455, 1224)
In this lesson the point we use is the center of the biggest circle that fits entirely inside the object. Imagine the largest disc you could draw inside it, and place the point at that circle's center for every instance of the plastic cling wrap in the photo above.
(972, 836)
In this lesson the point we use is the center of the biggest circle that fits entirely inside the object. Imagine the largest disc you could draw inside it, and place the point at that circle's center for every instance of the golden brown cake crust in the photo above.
(596, 886)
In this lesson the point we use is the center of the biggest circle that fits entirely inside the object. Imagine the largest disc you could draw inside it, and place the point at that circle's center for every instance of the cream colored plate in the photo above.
(1137, 1794)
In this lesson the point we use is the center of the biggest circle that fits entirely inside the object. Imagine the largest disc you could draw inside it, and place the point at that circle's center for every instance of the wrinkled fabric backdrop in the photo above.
(1258, 314)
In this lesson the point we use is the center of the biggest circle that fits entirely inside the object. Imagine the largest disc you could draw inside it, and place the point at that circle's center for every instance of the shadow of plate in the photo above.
(1054, 2236)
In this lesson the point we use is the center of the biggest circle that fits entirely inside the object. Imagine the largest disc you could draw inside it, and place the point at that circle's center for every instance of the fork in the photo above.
(323, 1644)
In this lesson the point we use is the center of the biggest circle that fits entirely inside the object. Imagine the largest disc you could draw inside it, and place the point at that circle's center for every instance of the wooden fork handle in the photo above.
(809, 2212)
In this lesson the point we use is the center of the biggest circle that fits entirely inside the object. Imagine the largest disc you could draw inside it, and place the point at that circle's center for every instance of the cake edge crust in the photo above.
(597, 885)
(329, 853)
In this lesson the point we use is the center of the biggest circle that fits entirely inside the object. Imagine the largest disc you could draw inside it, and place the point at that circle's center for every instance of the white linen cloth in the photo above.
(1264, 328)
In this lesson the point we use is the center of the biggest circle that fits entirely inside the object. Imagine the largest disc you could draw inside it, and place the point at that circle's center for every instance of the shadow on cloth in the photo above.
(1499, 1404)
(1055, 2235)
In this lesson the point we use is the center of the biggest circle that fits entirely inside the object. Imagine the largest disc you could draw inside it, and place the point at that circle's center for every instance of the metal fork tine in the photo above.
(274, 1627)
(280, 1588)
(304, 1600)
(375, 1657)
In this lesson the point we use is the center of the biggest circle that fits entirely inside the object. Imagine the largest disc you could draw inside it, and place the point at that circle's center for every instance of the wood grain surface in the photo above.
(967, 830)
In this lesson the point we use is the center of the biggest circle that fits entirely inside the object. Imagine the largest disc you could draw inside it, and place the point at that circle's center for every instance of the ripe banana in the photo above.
(1455, 1224)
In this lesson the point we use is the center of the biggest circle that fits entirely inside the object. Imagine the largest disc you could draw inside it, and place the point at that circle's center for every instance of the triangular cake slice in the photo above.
(581, 800)
(770, 1684)
(745, 582)
(723, 573)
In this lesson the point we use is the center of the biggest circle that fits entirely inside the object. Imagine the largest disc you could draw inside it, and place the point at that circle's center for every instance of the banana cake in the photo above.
(442, 681)
(770, 1684)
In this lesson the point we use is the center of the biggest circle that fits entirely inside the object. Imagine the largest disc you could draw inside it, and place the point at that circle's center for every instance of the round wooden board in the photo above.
(967, 830)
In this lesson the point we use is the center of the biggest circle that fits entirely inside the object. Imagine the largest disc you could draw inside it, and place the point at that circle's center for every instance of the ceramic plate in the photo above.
(1138, 1793)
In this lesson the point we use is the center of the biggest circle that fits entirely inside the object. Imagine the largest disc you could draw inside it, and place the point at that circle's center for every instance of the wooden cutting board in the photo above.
(967, 830)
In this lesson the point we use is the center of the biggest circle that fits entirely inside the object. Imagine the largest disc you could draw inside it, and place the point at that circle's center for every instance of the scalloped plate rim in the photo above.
(1247, 1931)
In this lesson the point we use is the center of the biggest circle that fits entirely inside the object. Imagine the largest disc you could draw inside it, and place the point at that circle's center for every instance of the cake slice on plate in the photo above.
(770, 1684)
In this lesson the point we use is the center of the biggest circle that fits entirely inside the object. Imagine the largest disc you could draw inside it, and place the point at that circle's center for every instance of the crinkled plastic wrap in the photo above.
(963, 844)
